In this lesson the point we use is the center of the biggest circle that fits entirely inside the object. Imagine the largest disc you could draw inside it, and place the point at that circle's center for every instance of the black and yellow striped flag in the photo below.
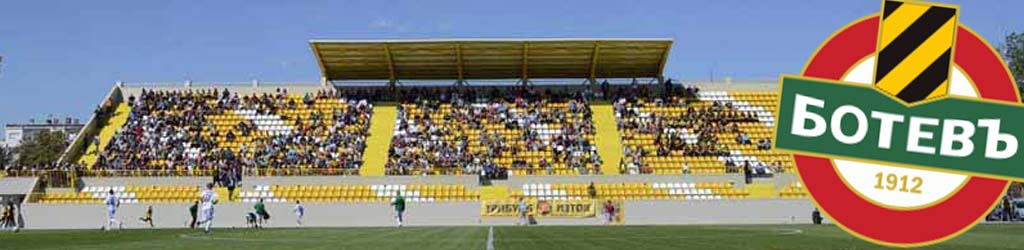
(915, 50)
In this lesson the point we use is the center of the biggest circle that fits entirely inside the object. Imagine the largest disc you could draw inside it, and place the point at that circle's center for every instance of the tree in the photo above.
(42, 149)
(1013, 53)
(5, 156)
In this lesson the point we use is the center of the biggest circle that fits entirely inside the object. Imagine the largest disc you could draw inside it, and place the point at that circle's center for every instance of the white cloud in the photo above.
(385, 24)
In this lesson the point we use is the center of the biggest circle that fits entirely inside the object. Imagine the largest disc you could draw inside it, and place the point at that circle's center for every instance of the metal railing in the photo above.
(47, 178)
(210, 172)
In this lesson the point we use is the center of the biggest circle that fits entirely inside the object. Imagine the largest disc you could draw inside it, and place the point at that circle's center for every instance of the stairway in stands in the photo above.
(495, 192)
(382, 128)
(609, 143)
(762, 189)
(116, 121)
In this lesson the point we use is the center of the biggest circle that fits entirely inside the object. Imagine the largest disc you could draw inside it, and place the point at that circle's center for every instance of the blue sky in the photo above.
(61, 57)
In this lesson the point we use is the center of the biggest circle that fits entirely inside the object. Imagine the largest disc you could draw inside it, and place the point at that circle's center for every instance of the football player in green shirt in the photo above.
(261, 211)
(399, 205)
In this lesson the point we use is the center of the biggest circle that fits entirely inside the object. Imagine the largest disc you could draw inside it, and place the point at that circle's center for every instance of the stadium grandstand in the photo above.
(460, 127)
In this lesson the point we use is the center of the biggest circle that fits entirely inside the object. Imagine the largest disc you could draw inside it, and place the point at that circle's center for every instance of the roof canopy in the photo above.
(461, 59)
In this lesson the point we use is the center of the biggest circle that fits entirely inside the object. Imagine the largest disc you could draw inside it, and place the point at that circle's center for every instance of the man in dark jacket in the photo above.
(193, 210)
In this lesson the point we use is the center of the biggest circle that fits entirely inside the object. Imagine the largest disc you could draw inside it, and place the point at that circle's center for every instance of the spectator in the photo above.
(816, 217)
(748, 175)
(776, 166)
(592, 191)
(764, 144)
(730, 166)
(1007, 208)
(743, 138)
(544, 164)
(230, 182)
(760, 169)
(96, 143)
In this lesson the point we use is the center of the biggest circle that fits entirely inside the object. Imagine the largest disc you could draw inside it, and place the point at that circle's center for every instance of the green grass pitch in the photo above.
(988, 236)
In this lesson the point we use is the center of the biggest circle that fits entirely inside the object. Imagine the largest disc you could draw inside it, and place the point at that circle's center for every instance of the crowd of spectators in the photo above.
(673, 133)
(173, 130)
(757, 168)
(471, 132)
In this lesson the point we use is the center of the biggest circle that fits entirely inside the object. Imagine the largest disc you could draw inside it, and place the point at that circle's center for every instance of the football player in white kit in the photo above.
(208, 199)
(299, 212)
(112, 203)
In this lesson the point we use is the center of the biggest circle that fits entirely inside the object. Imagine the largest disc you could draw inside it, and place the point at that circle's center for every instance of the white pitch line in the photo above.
(207, 237)
(790, 231)
(490, 238)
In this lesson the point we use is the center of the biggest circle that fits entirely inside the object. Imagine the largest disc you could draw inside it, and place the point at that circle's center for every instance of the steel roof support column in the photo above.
(458, 62)
(594, 57)
(525, 74)
(391, 66)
